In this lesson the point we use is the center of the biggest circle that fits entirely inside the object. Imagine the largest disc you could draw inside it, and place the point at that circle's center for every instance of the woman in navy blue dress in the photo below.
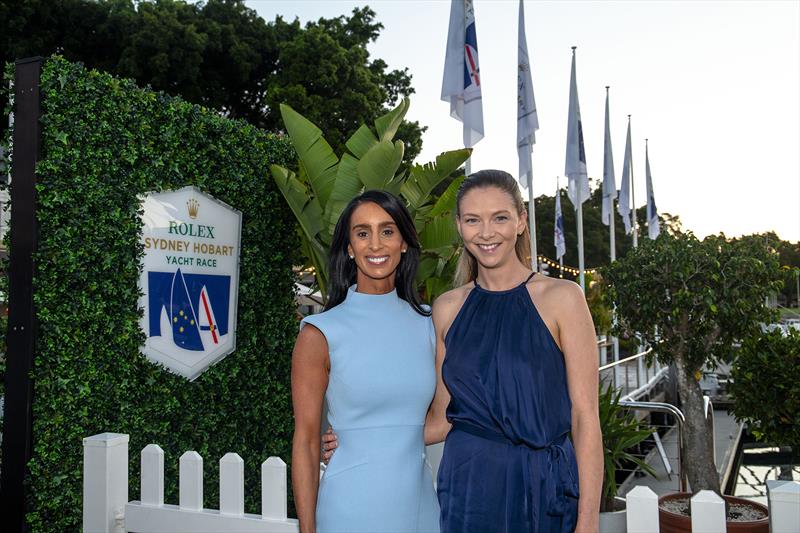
(517, 394)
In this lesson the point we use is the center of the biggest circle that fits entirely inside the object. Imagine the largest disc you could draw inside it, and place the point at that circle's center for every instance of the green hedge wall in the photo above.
(105, 141)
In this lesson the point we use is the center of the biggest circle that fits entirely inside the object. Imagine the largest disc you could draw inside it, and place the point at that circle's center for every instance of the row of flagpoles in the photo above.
(461, 87)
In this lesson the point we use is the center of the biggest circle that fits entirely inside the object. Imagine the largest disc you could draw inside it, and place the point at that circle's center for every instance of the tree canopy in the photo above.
(222, 55)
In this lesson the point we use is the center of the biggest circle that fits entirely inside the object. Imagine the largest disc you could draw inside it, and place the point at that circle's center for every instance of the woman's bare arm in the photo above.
(579, 345)
(310, 366)
(445, 309)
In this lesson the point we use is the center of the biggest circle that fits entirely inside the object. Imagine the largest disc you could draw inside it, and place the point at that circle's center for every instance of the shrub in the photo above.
(104, 142)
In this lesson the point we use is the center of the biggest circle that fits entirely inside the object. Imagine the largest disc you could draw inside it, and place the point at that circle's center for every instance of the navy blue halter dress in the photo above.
(508, 464)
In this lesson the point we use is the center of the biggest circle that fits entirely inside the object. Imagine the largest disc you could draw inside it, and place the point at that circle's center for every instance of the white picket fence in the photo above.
(106, 507)
(105, 493)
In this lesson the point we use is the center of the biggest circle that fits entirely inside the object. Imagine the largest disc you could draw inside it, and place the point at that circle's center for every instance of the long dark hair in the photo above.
(467, 268)
(342, 270)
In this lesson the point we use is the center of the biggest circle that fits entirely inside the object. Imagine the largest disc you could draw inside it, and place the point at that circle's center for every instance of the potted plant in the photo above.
(621, 432)
(691, 301)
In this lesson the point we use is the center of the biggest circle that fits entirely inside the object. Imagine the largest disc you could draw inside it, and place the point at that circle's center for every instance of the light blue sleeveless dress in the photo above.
(381, 382)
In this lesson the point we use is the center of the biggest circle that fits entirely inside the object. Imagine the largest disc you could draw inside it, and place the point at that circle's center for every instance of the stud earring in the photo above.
(352, 257)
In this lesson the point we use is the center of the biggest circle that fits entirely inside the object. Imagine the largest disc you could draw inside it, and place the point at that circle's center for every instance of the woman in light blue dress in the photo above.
(370, 355)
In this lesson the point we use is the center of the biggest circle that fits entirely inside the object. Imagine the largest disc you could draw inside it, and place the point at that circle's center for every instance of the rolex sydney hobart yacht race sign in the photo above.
(189, 279)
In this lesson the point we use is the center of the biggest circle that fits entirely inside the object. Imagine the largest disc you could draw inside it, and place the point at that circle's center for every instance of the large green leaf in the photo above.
(427, 269)
(314, 151)
(378, 166)
(361, 141)
(446, 203)
(439, 232)
(348, 186)
(317, 257)
(306, 208)
(424, 178)
(387, 124)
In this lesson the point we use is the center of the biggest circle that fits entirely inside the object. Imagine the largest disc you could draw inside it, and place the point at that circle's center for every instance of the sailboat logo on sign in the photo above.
(188, 311)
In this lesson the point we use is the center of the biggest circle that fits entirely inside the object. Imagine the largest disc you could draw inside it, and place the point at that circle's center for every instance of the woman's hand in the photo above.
(329, 444)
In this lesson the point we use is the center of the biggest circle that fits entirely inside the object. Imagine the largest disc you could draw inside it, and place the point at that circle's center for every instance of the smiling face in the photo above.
(376, 246)
(489, 224)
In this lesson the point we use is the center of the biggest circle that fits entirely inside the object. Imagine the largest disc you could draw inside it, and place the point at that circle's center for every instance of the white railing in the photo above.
(634, 375)
(106, 507)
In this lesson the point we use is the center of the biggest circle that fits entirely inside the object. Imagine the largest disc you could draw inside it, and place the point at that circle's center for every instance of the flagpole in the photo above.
(633, 203)
(532, 219)
(612, 237)
(581, 273)
(580, 242)
(613, 256)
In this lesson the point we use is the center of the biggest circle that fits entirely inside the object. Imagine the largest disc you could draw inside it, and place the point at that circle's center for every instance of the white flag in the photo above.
(527, 118)
(461, 85)
(609, 182)
(575, 167)
(561, 245)
(624, 203)
(653, 228)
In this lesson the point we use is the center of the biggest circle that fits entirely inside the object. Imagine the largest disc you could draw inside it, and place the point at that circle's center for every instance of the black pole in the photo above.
(21, 334)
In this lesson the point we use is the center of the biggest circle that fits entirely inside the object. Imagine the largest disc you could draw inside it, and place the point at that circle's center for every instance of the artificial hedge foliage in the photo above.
(104, 142)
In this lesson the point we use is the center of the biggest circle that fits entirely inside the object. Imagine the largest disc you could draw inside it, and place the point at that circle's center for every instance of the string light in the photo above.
(568, 269)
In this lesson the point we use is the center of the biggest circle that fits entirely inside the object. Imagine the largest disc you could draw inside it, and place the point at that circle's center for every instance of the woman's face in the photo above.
(489, 225)
(376, 244)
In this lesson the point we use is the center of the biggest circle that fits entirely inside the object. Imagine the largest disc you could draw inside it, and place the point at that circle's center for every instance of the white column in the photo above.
(784, 506)
(642, 510)
(191, 481)
(708, 512)
(152, 481)
(231, 485)
(105, 482)
(273, 489)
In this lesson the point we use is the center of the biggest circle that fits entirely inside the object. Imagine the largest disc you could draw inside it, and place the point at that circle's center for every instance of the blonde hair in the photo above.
(467, 267)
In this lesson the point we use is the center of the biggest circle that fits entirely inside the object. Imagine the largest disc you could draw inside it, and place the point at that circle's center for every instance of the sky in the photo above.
(713, 85)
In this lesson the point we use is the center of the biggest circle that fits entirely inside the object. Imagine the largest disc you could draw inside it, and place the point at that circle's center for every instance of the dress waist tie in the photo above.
(559, 482)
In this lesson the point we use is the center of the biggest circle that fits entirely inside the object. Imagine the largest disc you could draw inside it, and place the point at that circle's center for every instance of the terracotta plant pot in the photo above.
(676, 523)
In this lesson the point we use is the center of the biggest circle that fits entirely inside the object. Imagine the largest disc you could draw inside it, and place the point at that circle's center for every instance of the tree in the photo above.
(222, 55)
(325, 183)
(691, 300)
(765, 389)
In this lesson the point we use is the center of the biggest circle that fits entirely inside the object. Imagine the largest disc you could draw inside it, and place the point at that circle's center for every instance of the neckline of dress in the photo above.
(505, 291)
(354, 295)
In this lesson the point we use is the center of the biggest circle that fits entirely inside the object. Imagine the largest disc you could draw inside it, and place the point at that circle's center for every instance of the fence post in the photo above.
(191, 481)
(22, 328)
(152, 480)
(231, 485)
(708, 512)
(603, 350)
(273, 489)
(642, 510)
(784, 506)
(105, 482)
